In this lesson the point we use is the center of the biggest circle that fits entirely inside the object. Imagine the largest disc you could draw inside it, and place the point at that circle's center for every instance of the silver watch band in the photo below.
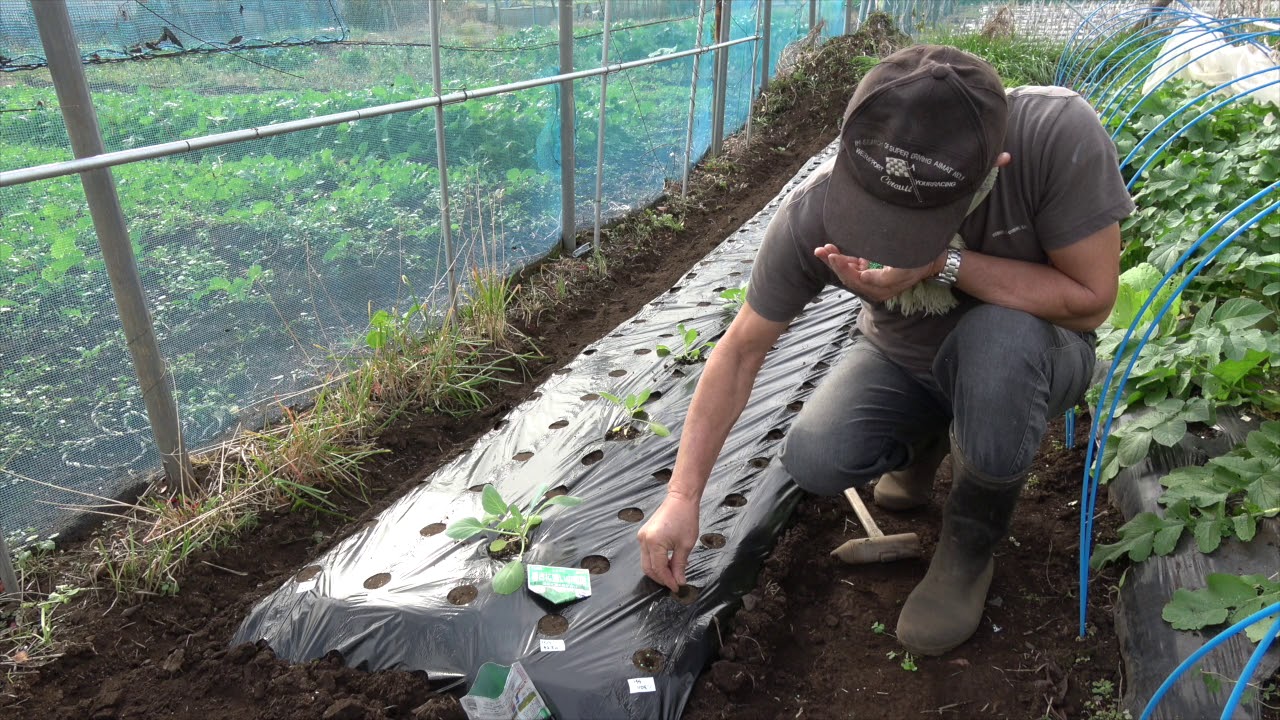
(950, 270)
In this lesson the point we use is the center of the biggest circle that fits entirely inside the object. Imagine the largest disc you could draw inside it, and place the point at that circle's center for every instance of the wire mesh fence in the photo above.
(263, 261)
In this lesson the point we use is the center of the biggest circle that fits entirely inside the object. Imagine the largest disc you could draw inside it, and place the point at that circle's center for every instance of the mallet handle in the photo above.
(864, 517)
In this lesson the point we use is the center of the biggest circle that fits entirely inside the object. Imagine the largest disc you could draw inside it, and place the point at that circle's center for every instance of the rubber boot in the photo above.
(946, 607)
(912, 486)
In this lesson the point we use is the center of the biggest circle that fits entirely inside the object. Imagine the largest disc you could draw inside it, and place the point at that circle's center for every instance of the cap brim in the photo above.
(867, 227)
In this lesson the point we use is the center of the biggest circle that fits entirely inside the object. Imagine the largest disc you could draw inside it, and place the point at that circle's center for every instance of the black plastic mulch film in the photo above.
(1150, 646)
(630, 627)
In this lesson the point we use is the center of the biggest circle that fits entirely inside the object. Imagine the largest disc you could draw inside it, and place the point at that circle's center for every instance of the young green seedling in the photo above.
(633, 405)
(694, 348)
(734, 298)
(511, 526)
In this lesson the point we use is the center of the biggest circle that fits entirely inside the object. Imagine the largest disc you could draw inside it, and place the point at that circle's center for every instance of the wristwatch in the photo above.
(950, 270)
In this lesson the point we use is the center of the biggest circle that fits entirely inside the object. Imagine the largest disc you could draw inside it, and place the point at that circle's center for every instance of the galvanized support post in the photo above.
(848, 17)
(768, 33)
(442, 159)
(813, 13)
(755, 62)
(8, 577)
(63, 55)
(568, 209)
(723, 28)
(604, 93)
(693, 101)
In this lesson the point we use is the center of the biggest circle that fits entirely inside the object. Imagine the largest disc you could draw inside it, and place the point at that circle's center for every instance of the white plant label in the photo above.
(641, 685)
(552, 645)
(305, 585)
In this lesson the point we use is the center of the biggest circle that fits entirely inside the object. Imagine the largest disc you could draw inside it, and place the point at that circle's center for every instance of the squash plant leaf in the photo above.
(1144, 534)
(464, 528)
(492, 502)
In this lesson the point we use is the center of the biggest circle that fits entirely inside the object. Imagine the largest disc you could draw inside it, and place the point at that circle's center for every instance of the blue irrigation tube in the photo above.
(1155, 38)
(1069, 429)
(1182, 130)
(1130, 86)
(1251, 667)
(1067, 60)
(1098, 442)
(1208, 647)
(1133, 18)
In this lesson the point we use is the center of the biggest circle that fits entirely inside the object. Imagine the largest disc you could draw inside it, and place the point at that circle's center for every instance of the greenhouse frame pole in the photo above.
(724, 11)
(848, 17)
(442, 160)
(751, 86)
(568, 210)
(8, 577)
(813, 13)
(768, 31)
(63, 55)
(604, 93)
(693, 101)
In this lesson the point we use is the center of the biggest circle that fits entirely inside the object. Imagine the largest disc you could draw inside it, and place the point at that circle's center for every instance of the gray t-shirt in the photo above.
(1062, 186)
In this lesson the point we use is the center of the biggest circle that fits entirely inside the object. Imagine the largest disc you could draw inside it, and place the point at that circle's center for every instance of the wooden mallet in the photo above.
(876, 547)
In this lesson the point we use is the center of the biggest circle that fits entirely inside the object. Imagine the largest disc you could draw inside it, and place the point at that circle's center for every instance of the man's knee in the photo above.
(823, 465)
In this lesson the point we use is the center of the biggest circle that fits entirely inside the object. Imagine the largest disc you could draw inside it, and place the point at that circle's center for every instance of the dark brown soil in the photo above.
(803, 646)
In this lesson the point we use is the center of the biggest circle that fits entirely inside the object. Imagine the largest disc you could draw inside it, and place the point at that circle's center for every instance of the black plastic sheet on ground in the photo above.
(1150, 646)
(382, 597)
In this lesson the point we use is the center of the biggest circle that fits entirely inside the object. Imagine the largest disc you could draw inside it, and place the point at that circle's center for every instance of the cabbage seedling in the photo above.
(633, 405)
(511, 527)
(694, 348)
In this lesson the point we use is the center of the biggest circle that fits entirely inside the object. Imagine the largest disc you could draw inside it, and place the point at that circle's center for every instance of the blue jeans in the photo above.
(996, 380)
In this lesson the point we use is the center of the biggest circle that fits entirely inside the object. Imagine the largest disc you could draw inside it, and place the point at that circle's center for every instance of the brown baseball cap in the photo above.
(921, 133)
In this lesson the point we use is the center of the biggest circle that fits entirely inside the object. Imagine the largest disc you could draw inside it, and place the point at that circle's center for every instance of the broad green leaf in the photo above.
(1264, 492)
(659, 429)
(492, 502)
(639, 398)
(1166, 538)
(535, 520)
(1245, 526)
(611, 397)
(1133, 447)
(464, 528)
(510, 578)
(1240, 313)
(1208, 534)
(534, 499)
(497, 546)
(1257, 631)
(1193, 610)
(663, 351)
(1169, 433)
(511, 524)
(1231, 372)
(1230, 590)
(516, 515)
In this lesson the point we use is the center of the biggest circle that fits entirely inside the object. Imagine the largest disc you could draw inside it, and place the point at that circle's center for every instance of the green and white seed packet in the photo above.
(559, 584)
(504, 693)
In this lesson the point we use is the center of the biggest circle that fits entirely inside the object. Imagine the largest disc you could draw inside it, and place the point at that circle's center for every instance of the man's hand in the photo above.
(879, 284)
(667, 539)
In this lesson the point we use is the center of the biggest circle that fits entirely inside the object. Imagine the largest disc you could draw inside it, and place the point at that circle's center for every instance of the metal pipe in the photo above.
(568, 209)
(122, 157)
(63, 55)
(604, 93)
(725, 12)
(751, 86)
(848, 17)
(442, 160)
(693, 98)
(813, 13)
(8, 577)
(768, 33)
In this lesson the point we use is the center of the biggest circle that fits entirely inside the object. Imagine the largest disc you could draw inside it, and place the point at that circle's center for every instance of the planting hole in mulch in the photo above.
(462, 594)
(617, 373)
(558, 425)
(535, 395)
(759, 462)
(686, 594)
(678, 372)
(499, 425)
(735, 273)
(432, 529)
(552, 625)
(595, 564)
(589, 351)
(307, 573)
(639, 321)
(557, 491)
(822, 365)
(663, 475)
(775, 434)
(589, 397)
(476, 488)
(807, 385)
(692, 275)
(715, 541)
(631, 514)
(641, 351)
(655, 395)
(735, 500)
(563, 371)
(796, 406)
(373, 582)
(648, 660)
(523, 456)
(704, 303)
(719, 289)
(593, 457)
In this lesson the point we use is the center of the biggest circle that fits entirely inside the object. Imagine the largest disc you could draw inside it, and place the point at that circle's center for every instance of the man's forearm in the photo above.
(722, 393)
(1040, 290)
